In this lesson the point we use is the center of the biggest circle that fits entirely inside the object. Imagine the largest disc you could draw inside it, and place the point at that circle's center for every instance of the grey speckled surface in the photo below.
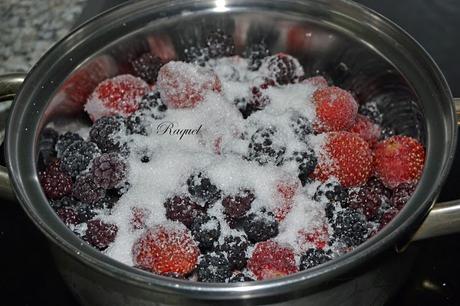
(30, 27)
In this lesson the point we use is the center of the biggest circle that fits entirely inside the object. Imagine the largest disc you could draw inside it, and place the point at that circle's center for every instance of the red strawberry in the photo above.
(271, 260)
(116, 96)
(318, 238)
(336, 109)
(345, 156)
(166, 250)
(184, 85)
(285, 192)
(139, 217)
(317, 81)
(398, 160)
(368, 130)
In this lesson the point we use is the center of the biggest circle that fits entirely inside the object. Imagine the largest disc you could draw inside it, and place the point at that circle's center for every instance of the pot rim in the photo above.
(399, 229)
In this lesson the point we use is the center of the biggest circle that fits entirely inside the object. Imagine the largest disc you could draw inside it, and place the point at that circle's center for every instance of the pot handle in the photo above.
(9, 85)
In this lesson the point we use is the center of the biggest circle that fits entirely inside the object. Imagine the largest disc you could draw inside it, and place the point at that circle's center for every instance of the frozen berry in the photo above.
(301, 126)
(366, 129)
(100, 234)
(46, 147)
(306, 162)
(319, 82)
(401, 195)
(206, 231)
(260, 226)
(266, 146)
(387, 217)
(66, 201)
(147, 66)
(336, 109)
(54, 182)
(152, 104)
(258, 99)
(345, 156)
(236, 206)
(235, 248)
(166, 250)
(213, 268)
(106, 132)
(202, 189)
(333, 195)
(196, 55)
(116, 96)
(398, 160)
(77, 157)
(313, 258)
(182, 209)
(371, 111)
(106, 203)
(66, 140)
(350, 227)
(255, 54)
(220, 44)
(270, 260)
(317, 237)
(108, 170)
(68, 215)
(85, 212)
(239, 278)
(139, 217)
(86, 190)
(183, 85)
(284, 195)
(284, 68)
(369, 198)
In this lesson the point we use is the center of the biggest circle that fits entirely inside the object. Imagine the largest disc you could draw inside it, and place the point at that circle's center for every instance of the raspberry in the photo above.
(317, 81)
(313, 258)
(46, 145)
(153, 104)
(206, 231)
(271, 260)
(236, 206)
(369, 198)
(306, 162)
(68, 215)
(220, 44)
(284, 68)
(55, 183)
(266, 146)
(347, 157)
(301, 126)
(108, 170)
(139, 217)
(350, 227)
(255, 54)
(77, 156)
(235, 248)
(100, 234)
(182, 209)
(401, 195)
(239, 278)
(183, 85)
(366, 129)
(86, 190)
(147, 66)
(166, 250)
(66, 140)
(371, 111)
(398, 160)
(260, 226)
(336, 109)
(105, 133)
(116, 96)
(201, 188)
(318, 237)
(213, 268)
(285, 192)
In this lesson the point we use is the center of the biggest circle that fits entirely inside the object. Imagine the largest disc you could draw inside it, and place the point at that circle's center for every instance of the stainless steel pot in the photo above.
(359, 49)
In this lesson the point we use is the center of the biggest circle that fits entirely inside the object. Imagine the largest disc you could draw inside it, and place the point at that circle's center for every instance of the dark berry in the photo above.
(77, 157)
(85, 212)
(201, 188)
(66, 140)
(220, 44)
(242, 104)
(369, 198)
(235, 247)
(68, 215)
(312, 258)
(105, 133)
(401, 195)
(197, 55)
(147, 66)
(387, 217)
(100, 234)
(259, 99)
(182, 209)
(106, 203)
(108, 170)
(301, 126)
(306, 162)
(238, 205)
(213, 268)
(260, 226)
(284, 68)
(350, 227)
(136, 123)
(239, 278)
(255, 54)
(153, 105)
(66, 201)
(266, 146)
(54, 182)
(333, 194)
(371, 111)
(206, 231)
(86, 190)
(46, 147)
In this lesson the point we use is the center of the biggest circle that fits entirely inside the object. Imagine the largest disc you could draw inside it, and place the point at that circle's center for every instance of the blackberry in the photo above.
(152, 103)
(260, 226)
(265, 148)
(306, 162)
(147, 66)
(284, 68)
(255, 54)
(350, 227)
(387, 217)
(238, 205)
(108, 170)
(371, 111)
(77, 157)
(106, 203)
(239, 278)
(54, 182)
(242, 105)
(85, 212)
(213, 268)
(46, 147)
(312, 258)
(100, 234)
(235, 247)
(68, 215)
(333, 194)
(197, 55)
(86, 190)
(104, 133)
(136, 123)
(201, 188)
(66, 140)
(369, 198)
(301, 126)
(220, 44)
(182, 209)
(206, 231)
(401, 195)
(66, 201)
